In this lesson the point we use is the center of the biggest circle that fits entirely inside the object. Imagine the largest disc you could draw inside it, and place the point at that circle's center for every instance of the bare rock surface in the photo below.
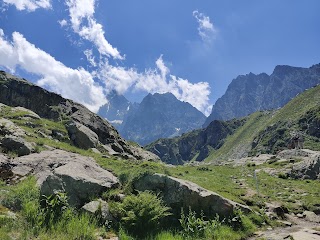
(81, 135)
(7, 127)
(100, 208)
(308, 168)
(11, 138)
(80, 177)
(179, 193)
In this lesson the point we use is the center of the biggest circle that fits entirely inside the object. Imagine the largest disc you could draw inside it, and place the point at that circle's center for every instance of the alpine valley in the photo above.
(252, 171)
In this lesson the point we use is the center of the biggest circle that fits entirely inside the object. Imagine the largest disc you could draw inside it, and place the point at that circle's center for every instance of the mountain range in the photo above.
(164, 116)
(259, 133)
(249, 93)
(157, 116)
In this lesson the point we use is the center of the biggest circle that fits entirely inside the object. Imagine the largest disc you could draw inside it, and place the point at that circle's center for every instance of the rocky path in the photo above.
(295, 229)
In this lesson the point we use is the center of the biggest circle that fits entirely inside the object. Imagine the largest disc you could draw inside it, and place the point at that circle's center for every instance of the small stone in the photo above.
(98, 207)
(299, 215)
(311, 217)
(285, 223)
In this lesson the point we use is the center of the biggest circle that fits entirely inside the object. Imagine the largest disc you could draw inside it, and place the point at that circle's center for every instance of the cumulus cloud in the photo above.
(156, 80)
(82, 20)
(76, 84)
(206, 29)
(119, 78)
(29, 5)
(79, 84)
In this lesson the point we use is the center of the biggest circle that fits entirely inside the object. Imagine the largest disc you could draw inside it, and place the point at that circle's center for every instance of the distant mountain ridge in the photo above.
(157, 116)
(258, 133)
(250, 93)
(117, 109)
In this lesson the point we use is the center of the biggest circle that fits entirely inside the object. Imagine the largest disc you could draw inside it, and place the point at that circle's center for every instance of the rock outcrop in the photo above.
(250, 93)
(178, 193)
(11, 138)
(308, 168)
(80, 177)
(16, 92)
(81, 135)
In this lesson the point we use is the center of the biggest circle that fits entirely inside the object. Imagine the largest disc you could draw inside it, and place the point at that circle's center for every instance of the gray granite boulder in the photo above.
(79, 176)
(178, 194)
(81, 135)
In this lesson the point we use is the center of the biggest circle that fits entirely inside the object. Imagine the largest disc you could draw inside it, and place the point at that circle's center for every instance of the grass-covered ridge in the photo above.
(271, 129)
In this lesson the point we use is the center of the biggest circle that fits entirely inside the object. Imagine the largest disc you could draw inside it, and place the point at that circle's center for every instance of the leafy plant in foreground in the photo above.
(138, 214)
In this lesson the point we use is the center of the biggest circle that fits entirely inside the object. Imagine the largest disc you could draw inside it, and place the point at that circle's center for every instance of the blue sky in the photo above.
(82, 49)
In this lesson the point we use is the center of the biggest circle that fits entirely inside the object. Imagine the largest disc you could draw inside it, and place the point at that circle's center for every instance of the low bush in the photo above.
(140, 214)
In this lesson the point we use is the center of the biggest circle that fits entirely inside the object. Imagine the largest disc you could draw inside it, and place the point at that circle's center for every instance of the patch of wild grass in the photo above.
(54, 221)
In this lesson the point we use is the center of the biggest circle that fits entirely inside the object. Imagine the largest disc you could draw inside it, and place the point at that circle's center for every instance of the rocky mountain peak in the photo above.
(250, 93)
(158, 116)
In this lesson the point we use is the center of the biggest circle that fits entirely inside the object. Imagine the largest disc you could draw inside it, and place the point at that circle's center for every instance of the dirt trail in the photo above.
(300, 230)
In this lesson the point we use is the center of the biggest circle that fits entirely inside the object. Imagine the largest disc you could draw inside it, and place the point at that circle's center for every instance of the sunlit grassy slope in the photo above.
(288, 117)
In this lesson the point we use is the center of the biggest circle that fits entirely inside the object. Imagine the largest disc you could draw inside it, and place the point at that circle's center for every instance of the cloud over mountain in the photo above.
(76, 84)
(107, 71)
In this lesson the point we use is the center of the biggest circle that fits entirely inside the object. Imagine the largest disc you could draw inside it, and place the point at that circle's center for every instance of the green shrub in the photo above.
(242, 223)
(53, 207)
(140, 213)
(193, 226)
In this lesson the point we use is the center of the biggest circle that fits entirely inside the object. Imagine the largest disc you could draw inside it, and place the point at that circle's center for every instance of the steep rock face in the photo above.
(178, 193)
(194, 144)
(117, 109)
(19, 92)
(159, 116)
(250, 93)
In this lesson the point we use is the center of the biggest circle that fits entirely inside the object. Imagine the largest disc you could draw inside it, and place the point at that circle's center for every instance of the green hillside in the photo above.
(268, 132)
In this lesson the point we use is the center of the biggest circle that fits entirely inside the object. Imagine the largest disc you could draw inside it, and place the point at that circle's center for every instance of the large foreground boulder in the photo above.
(178, 194)
(80, 177)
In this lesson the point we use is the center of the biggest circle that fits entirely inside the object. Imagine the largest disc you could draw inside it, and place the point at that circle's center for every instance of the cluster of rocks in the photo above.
(296, 163)
(82, 179)
(12, 136)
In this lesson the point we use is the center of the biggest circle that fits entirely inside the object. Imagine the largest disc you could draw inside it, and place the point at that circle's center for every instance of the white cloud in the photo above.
(83, 23)
(29, 5)
(90, 57)
(63, 23)
(76, 84)
(156, 80)
(206, 29)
